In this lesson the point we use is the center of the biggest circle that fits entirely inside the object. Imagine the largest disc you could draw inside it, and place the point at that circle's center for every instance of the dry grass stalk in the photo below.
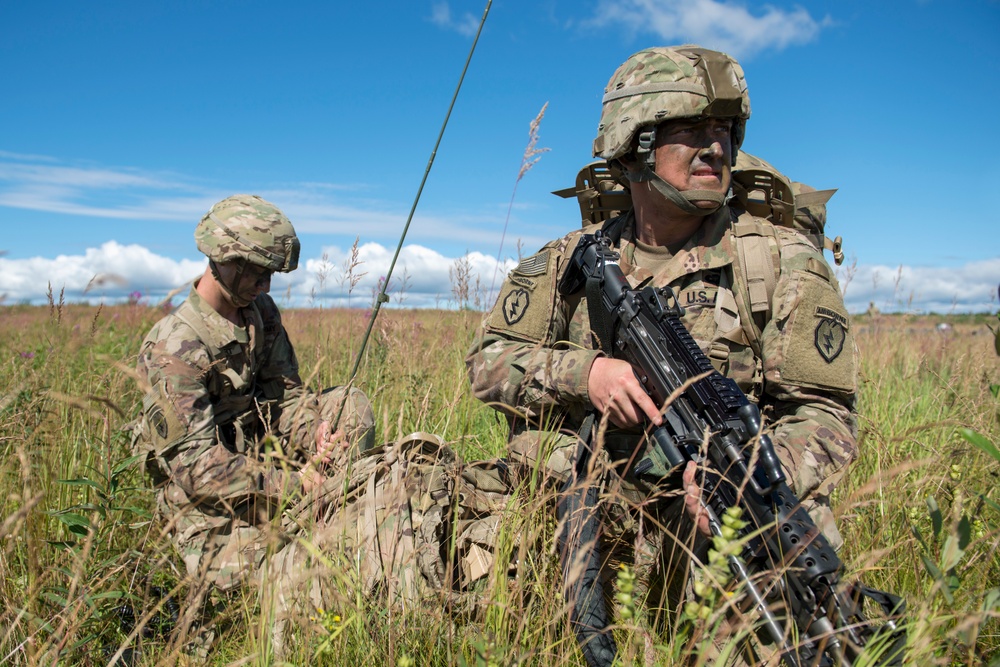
(532, 154)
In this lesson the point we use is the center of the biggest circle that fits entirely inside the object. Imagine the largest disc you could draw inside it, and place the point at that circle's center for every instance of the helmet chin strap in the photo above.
(683, 200)
(233, 290)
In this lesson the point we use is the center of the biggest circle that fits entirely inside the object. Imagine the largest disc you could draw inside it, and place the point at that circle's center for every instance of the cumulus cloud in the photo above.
(441, 16)
(109, 272)
(426, 278)
(964, 289)
(718, 24)
(422, 278)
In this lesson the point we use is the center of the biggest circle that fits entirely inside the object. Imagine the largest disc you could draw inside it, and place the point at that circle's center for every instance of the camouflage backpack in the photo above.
(416, 519)
(765, 198)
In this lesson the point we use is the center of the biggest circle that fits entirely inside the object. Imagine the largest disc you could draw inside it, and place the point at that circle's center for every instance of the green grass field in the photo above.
(919, 510)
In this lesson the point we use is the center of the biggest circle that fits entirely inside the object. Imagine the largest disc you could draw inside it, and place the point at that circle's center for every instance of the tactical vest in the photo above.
(232, 395)
(764, 198)
(157, 431)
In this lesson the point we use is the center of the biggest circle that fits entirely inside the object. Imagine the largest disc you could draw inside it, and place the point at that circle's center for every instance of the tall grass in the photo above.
(79, 550)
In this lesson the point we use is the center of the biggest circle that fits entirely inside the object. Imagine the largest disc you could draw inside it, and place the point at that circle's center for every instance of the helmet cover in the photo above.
(251, 229)
(663, 83)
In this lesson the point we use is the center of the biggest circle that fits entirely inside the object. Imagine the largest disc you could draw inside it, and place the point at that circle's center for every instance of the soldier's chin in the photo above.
(239, 302)
(706, 204)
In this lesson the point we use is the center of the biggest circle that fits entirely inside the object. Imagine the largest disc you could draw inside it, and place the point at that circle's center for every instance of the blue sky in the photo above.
(122, 122)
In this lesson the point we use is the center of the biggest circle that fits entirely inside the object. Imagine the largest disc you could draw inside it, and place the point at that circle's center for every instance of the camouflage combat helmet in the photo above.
(666, 83)
(248, 228)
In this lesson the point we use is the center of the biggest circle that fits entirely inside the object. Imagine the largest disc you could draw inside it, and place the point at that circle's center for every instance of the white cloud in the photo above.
(110, 272)
(716, 24)
(441, 16)
(113, 271)
(968, 288)
(423, 278)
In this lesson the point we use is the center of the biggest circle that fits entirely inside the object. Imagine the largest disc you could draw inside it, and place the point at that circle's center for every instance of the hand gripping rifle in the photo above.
(783, 548)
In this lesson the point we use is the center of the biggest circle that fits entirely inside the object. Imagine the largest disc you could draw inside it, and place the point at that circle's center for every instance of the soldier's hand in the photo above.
(692, 499)
(615, 391)
(328, 446)
(311, 479)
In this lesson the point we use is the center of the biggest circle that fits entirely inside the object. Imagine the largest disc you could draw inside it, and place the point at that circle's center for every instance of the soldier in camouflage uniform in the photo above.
(230, 433)
(673, 121)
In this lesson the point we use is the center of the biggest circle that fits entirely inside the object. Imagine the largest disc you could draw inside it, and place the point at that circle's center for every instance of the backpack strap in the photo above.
(757, 268)
(233, 379)
(197, 325)
(215, 353)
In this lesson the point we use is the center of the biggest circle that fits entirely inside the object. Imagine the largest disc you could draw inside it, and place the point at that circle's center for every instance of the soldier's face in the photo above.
(252, 281)
(256, 280)
(695, 155)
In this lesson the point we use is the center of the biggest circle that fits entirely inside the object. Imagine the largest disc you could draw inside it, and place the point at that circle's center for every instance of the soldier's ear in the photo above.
(630, 169)
(627, 163)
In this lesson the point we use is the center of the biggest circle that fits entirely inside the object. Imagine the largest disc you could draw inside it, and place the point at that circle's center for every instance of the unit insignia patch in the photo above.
(830, 336)
(515, 305)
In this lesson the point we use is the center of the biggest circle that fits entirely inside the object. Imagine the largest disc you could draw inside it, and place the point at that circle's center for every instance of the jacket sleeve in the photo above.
(810, 363)
(529, 356)
(525, 379)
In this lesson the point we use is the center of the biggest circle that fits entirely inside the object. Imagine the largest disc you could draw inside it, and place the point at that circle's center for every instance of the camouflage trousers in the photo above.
(226, 547)
(813, 471)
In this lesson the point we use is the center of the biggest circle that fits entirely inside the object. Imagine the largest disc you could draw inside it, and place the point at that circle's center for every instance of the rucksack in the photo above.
(765, 192)
(759, 188)
(417, 517)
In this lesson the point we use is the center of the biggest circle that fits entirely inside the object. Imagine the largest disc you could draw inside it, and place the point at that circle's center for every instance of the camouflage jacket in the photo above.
(533, 356)
(213, 390)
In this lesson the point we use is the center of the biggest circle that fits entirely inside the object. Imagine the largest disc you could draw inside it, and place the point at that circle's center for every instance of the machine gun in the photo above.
(804, 609)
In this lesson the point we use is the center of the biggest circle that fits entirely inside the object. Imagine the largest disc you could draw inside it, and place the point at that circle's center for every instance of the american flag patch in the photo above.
(534, 265)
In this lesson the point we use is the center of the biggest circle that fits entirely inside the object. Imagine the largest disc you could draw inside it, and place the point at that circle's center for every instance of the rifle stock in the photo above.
(711, 421)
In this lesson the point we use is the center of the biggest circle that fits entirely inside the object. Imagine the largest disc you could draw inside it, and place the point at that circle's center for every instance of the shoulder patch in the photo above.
(524, 307)
(515, 305)
(163, 428)
(829, 339)
(813, 346)
(522, 281)
(158, 422)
